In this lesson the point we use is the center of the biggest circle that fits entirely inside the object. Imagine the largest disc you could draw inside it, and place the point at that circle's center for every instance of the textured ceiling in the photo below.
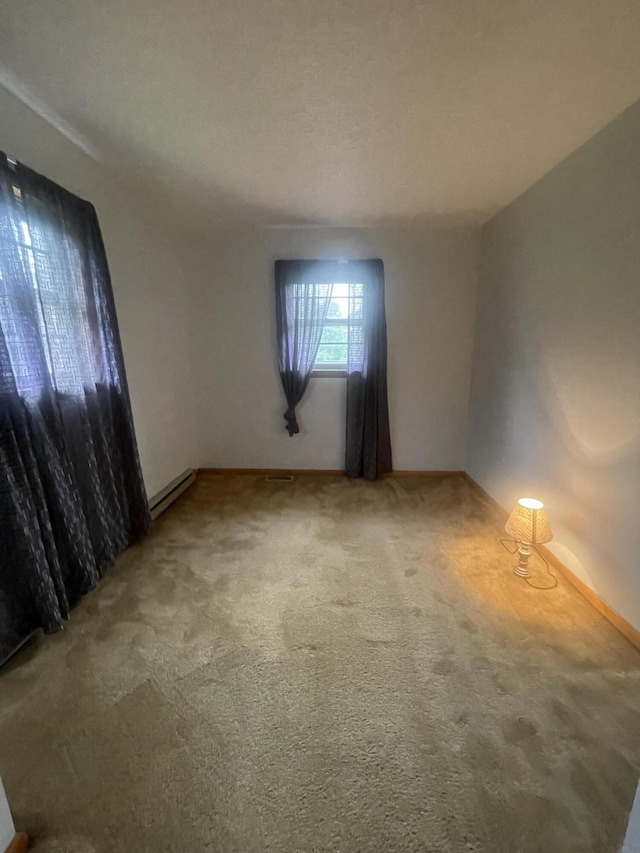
(340, 111)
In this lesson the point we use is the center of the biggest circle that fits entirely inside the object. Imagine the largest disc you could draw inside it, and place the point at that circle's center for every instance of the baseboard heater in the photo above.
(164, 498)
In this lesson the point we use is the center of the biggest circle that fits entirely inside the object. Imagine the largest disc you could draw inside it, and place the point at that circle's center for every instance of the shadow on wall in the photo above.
(571, 435)
(597, 417)
(596, 422)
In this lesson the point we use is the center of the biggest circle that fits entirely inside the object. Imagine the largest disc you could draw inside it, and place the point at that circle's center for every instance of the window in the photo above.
(50, 267)
(342, 330)
(71, 490)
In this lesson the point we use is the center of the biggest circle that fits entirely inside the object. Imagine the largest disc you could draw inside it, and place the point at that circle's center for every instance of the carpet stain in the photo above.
(444, 667)
(515, 731)
(333, 666)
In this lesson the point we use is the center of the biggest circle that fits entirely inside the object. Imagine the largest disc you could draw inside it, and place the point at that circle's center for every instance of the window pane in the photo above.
(346, 311)
(355, 308)
(331, 354)
(334, 334)
(338, 308)
(346, 301)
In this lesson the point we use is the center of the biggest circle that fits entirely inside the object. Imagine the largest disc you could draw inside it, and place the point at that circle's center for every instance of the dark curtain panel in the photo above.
(71, 490)
(368, 448)
(303, 295)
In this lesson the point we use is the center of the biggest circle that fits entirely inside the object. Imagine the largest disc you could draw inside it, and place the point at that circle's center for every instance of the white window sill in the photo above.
(329, 374)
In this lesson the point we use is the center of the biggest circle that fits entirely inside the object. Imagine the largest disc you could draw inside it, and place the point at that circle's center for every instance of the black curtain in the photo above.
(368, 446)
(303, 296)
(71, 490)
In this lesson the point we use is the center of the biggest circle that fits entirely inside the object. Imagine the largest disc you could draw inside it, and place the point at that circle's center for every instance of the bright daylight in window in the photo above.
(342, 328)
(60, 309)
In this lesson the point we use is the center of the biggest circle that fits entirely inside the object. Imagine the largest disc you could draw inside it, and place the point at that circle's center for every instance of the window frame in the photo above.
(329, 372)
(335, 371)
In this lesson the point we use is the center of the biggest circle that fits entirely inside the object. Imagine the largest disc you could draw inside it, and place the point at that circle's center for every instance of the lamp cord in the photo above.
(504, 542)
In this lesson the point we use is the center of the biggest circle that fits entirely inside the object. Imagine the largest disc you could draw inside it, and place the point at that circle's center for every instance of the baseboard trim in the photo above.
(274, 472)
(318, 472)
(632, 634)
(435, 473)
(20, 843)
(625, 628)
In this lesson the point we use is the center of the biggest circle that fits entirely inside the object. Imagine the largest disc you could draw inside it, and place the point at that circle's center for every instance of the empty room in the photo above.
(320, 426)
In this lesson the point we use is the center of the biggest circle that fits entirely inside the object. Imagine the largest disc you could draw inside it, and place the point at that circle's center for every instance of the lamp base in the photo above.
(522, 569)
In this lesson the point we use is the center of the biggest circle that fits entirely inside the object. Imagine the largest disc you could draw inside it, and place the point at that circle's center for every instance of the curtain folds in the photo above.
(303, 296)
(368, 440)
(71, 490)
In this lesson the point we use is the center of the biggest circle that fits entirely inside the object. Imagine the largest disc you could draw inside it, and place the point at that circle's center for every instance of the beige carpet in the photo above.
(324, 666)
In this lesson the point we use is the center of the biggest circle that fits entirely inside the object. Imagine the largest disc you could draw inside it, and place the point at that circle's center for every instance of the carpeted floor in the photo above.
(324, 666)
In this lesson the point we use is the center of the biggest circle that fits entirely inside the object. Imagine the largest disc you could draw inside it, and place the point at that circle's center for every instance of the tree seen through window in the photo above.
(343, 316)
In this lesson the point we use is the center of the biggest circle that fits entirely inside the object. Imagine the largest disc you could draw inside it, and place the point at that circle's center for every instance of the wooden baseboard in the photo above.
(275, 472)
(632, 634)
(20, 843)
(319, 472)
(444, 473)
(626, 628)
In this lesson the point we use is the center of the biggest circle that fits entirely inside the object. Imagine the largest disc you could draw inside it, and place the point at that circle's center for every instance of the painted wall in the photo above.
(431, 276)
(555, 401)
(145, 257)
(632, 838)
(6, 822)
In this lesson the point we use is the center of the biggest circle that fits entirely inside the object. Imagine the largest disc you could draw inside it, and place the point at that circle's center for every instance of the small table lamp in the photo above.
(529, 525)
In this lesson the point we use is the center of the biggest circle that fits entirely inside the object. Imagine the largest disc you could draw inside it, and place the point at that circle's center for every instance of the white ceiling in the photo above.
(329, 111)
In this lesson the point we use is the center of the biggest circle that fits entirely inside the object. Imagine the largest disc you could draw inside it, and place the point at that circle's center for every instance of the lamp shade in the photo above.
(529, 522)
